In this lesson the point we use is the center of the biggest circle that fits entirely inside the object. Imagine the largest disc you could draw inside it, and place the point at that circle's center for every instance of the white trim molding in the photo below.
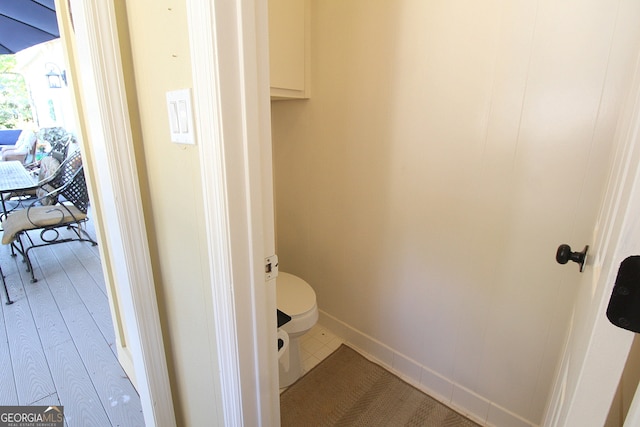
(104, 100)
(231, 103)
(210, 136)
(475, 407)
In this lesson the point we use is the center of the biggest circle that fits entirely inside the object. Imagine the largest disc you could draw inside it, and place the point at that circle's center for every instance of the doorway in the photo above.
(91, 44)
(76, 327)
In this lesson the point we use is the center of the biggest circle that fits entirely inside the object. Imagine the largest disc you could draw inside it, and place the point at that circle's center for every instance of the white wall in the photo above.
(34, 63)
(448, 148)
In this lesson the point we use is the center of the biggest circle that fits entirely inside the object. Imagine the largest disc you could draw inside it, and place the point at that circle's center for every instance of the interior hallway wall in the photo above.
(447, 149)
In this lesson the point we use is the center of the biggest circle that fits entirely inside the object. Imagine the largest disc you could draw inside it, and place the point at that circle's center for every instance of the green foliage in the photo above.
(54, 138)
(15, 105)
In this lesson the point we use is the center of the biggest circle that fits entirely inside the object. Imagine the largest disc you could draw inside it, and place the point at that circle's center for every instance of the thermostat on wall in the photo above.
(181, 116)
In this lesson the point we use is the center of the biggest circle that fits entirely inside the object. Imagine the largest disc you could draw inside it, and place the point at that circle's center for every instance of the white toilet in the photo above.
(283, 347)
(298, 300)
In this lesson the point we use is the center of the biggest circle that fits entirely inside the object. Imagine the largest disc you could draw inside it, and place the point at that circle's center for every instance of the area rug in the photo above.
(346, 389)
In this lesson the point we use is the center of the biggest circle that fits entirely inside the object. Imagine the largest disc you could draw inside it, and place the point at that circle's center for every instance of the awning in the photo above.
(25, 23)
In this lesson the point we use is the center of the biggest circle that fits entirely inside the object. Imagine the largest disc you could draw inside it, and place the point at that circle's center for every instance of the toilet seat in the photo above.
(296, 298)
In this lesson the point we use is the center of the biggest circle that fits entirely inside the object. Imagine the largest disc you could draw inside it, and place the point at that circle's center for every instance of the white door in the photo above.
(596, 351)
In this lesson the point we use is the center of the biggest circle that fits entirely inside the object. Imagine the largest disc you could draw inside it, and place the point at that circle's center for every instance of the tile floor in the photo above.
(317, 344)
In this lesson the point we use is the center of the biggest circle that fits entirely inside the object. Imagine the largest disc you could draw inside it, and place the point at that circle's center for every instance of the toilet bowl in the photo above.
(283, 348)
(298, 300)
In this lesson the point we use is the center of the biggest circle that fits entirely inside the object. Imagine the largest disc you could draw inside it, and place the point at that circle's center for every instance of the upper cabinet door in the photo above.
(289, 48)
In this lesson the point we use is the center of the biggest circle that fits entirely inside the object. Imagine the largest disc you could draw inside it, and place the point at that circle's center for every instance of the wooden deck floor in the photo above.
(57, 343)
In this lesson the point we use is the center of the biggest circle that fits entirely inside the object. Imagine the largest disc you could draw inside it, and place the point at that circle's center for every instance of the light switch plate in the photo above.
(181, 116)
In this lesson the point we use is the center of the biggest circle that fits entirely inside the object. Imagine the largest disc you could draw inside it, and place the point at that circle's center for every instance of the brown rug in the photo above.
(346, 389)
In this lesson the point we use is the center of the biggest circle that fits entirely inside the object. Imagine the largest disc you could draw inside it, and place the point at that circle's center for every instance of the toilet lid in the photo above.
(294, 295)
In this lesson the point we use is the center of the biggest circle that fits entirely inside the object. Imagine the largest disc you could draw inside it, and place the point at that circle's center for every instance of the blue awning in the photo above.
(25, 23)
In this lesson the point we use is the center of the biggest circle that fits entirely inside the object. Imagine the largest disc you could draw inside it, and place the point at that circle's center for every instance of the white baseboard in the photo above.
(455, 396)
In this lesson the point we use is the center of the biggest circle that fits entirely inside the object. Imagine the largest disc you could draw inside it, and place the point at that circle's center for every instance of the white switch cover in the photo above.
(180, 116)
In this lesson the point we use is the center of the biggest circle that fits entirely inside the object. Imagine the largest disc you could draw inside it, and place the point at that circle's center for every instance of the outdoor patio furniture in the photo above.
(41, 171)
(14, 180)
(23, 150)
(63, 205)
(4, 285)
(9, 136)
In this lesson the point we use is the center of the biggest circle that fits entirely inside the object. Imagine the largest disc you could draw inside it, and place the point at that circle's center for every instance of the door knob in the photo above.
(564, 255)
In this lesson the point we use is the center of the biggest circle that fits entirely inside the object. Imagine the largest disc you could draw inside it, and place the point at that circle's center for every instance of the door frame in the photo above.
(108, 145)
(230, 68)
(232, 110)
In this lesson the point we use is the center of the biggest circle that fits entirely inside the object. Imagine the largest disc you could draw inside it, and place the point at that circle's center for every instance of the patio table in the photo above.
(14, 177)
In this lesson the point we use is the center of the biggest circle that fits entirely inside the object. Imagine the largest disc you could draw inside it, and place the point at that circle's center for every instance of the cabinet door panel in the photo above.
(288, 42)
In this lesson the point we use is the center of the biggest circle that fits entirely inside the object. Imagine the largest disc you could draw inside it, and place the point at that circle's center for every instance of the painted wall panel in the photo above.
(172, 194)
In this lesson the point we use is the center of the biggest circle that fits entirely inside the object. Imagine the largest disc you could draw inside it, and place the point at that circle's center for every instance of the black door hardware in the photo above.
(564, 255)
(624, 305)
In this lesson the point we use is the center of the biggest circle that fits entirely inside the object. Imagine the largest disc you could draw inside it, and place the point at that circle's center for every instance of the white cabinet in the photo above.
(289, 48)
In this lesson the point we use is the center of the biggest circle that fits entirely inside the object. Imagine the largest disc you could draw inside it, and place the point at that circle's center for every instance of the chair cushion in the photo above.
(26, 140)
(38, 217)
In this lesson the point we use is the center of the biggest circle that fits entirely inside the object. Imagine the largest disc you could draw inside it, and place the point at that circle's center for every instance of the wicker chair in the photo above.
(64, 202)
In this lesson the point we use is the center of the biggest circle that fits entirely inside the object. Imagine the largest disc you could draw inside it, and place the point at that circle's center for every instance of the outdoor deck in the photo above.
(57, 343)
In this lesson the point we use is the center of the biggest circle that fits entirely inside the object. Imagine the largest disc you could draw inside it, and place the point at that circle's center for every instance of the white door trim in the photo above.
(596, 350)
(105, 105)
(229, 46)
